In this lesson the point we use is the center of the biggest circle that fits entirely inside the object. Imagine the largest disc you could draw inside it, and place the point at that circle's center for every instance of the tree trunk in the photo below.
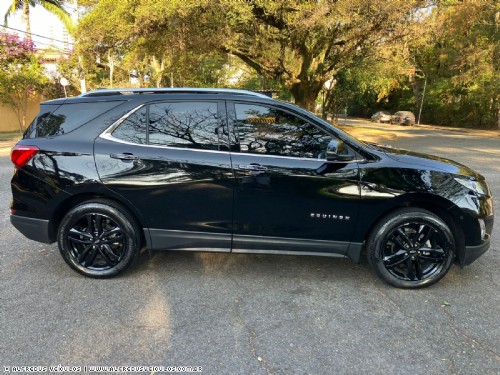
(26, 16)
(305, 94)
(159, 69)
(111, 63)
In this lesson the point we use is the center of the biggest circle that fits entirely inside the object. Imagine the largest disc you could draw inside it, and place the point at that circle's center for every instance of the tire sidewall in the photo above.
(121, 218)
(378, 238)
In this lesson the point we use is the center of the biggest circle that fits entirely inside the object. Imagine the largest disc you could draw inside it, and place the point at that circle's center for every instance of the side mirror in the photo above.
(338, 151)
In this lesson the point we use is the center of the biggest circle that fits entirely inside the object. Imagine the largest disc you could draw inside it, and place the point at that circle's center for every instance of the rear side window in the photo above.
(184, 125)
(45, 111)
(64, 118)
(133, 128)
(193, 125)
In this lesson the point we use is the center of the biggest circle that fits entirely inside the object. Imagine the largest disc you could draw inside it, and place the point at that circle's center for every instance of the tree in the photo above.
(460, 54)
(53, 6)
(21, 75)
(122, 46)
(300, 44)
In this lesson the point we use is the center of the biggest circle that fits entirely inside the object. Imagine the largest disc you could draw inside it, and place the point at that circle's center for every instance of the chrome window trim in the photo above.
(118, 122)
(107, 134)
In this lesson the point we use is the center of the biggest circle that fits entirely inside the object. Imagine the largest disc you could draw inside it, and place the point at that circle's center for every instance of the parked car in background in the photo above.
(112, 172)
(403, 118)
(381, 116)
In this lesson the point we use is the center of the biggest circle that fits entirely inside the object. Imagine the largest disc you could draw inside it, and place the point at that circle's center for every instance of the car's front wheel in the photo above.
(98, 239)
(411, 248)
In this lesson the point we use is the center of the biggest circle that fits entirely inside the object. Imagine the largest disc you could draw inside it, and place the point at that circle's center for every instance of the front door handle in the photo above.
(252, 167)
(124, 156)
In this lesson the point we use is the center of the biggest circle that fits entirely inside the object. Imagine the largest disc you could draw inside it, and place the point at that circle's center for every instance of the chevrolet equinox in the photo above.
(111, 172)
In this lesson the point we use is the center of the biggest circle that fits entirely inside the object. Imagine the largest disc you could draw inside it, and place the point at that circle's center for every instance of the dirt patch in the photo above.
(369, 135)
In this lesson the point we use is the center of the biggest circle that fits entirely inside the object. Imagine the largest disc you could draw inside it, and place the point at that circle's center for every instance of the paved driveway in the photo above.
(256, 314)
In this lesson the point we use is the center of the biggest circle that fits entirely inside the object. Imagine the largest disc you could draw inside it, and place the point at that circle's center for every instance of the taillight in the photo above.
(21, 154)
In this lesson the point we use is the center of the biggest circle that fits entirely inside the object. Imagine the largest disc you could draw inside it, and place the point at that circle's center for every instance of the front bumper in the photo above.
(33, 229)
(471, 253)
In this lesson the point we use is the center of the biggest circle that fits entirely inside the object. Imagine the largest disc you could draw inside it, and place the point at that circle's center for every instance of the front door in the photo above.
(171, 161)
(288, 198)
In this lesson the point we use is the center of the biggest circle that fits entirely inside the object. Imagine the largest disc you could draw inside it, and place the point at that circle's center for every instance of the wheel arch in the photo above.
(439, 206)
(76, 199)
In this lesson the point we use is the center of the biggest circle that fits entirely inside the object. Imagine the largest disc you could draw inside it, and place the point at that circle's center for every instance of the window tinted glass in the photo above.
(185, 124)
(45, 110)
(68, 117)
(266, 130)
(133, 128)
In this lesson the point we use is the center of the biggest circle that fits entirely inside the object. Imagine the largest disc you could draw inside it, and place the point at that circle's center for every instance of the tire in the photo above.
(411, 248)
(99, 239)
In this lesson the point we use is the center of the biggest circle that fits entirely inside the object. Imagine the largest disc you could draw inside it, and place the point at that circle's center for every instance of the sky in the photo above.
(46, 26)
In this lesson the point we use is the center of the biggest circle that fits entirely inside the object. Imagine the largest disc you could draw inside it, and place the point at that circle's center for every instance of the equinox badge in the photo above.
(329, 216)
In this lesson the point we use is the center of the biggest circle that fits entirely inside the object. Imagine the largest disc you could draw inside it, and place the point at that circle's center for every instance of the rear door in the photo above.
(171, 160)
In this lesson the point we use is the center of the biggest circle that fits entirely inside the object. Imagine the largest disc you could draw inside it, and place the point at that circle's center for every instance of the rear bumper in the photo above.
(33, 229)
(473, 252)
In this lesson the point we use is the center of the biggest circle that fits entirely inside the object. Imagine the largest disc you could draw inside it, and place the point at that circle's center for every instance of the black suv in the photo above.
(112, 172)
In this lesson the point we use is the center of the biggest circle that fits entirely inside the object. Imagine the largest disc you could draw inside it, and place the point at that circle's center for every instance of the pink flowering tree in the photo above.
(21, 75)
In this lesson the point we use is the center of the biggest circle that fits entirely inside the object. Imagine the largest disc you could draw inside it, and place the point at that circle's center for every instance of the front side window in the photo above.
(271, 131)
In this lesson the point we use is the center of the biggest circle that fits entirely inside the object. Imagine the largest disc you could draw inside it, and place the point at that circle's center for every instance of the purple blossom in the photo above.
(13, 48)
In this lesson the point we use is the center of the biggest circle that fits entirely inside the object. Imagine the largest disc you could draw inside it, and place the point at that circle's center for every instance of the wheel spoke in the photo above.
(407, 240)
(418, 268)
(395, 259)
(98, 225)
(396, 239)
(90, 227)
(74, 236)
(81, 256)
(116, 239)
(410, 269)
(434, 255)
(115, 230)
(427, 236)
(91, 256)
(108, 255)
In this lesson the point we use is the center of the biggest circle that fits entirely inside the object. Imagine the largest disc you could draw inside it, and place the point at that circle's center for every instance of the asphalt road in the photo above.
(255, 314)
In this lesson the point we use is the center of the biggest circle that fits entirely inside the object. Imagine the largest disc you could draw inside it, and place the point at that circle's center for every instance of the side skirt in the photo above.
(160, 239)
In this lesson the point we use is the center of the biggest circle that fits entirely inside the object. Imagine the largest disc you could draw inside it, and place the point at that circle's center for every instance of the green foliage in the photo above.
(460, 57)
(297, 46)
(163, 58)
(21, 75)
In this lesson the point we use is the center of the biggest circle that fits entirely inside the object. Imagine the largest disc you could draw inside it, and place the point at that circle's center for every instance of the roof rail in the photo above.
(177, 90)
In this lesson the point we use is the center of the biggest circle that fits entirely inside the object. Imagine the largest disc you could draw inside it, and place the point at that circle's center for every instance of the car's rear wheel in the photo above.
(411, 248)
(98, 239)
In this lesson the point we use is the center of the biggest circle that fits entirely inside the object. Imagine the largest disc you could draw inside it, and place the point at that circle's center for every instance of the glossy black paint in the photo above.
(179, 189)
(223, 200)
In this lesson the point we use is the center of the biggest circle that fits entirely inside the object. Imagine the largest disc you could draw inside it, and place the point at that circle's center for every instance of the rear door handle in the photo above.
(252, 167)
(124, 156)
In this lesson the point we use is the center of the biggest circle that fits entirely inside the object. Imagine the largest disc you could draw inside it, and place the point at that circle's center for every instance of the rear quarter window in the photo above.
(54, 120)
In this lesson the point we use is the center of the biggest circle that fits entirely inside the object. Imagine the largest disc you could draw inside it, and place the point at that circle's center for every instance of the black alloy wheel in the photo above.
(411, 248)
(98, 239)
